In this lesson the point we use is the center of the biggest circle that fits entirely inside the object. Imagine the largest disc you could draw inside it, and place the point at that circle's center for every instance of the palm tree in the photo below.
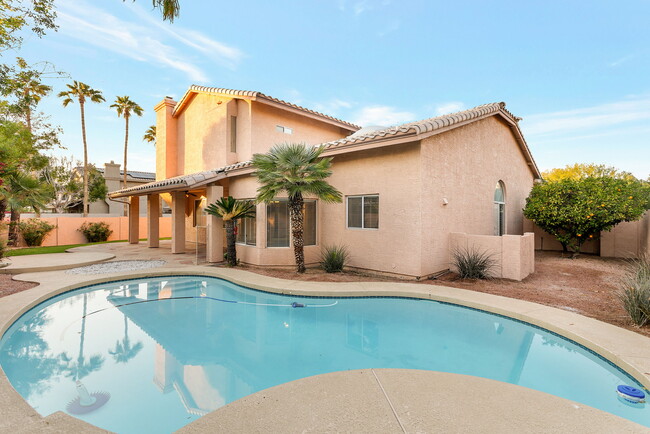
(230, 210)
(81, 367)
(150, 135)
(169, 8)
(124, 107)
(81, 92)
(296, 169)
(22, 191)
(29, 91)
(123, 351)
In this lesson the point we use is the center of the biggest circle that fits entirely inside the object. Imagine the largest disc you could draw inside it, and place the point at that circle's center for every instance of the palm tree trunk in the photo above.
(83, 135)
(230, 243)
(126, 146)
(3, 209)
(295, 209)
(28, 119)
(13, 227)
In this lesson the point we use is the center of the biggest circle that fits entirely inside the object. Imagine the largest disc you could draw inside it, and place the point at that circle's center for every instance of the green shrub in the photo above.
(333, 258)
(635, 291)
(472, 263)
(95, 232)
(34, 231)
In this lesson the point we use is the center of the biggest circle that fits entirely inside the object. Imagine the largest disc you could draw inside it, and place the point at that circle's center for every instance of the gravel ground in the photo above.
(8, 286)
(114, 266)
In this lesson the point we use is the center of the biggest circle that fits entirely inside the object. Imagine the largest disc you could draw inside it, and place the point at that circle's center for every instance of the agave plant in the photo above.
(230, 210)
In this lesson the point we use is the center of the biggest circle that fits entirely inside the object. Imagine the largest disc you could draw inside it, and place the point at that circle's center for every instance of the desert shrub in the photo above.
(95, 232)
(333, 258)
(473, 263)
(634, 291)
(34, 231)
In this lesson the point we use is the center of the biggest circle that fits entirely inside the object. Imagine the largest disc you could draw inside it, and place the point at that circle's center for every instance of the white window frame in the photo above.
(363, 217)
(283, 129)
(501, 205)
(286, 199)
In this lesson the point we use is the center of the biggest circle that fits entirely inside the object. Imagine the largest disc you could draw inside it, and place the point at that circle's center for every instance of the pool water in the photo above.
(166, 351)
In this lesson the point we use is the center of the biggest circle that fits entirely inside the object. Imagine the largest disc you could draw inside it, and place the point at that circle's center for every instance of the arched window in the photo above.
(500, 209)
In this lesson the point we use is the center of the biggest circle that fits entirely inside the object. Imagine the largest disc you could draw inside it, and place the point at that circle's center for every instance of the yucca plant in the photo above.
(635, 290)
(473, 263)
(231, 209)
(333, 258)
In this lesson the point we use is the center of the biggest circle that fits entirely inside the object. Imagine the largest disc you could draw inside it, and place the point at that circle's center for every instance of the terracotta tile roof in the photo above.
(257, 96)
(426, 125)
(411, 130)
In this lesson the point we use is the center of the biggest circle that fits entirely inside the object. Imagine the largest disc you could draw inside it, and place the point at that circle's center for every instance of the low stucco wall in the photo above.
(66, 229)
(514, 254)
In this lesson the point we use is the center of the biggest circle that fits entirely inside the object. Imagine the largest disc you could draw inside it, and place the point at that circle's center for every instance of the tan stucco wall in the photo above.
(66, 229)
(627, 239)
(463, 166)
(307, 130)
(513, 255)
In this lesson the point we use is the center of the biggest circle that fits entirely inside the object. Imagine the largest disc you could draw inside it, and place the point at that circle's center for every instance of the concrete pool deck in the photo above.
(368, 400)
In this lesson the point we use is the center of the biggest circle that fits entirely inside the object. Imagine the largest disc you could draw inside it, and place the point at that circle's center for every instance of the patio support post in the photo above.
(178, 221)
(214, 242)
(153, 220)
(134, 219)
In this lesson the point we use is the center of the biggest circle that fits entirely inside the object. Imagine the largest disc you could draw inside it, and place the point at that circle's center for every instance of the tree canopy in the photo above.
(576, 210)
(581, 170)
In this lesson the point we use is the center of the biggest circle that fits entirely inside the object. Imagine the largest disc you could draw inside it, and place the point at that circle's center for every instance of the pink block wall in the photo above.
(66, 231)
(514, 254)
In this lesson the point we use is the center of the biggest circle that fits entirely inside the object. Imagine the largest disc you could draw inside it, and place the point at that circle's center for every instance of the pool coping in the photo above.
(628, 350)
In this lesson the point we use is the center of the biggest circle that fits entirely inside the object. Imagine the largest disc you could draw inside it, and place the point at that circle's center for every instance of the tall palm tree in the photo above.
(81, 92)
(169, 8)
(81, 367)
(150, 135)
(124, 107)
(124, 351)
(296, 169)
(230, 210)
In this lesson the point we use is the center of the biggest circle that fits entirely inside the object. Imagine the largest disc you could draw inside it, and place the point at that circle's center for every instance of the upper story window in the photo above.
(278, 223)
(233, 133)
(500, 209)
(285, 130)
(363, 212)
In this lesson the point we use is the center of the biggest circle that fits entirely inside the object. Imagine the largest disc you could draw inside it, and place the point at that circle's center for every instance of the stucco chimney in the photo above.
(111, 170)
(166, 153)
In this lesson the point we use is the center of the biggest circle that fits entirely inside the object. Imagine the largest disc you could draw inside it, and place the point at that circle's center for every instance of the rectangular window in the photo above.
(363, 212)
(246, 231)
(278, 223)
(233, 133)
(285, 130)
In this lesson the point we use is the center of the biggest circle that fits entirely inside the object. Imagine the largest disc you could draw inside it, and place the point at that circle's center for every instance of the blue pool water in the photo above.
(169, 350)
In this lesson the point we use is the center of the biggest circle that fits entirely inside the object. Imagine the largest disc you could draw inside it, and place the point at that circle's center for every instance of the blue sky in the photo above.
(577, 72)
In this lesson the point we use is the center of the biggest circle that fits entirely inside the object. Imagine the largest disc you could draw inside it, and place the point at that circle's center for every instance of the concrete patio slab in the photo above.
(404, 400)
(53, 261)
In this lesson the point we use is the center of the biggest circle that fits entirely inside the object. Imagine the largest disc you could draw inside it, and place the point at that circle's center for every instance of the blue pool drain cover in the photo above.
(630, 393)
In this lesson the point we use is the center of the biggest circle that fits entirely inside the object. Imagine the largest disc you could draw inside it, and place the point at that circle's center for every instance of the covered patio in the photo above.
(187, 197)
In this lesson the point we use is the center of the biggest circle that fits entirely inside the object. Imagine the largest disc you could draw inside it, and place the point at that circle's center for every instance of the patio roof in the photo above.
(387, 136)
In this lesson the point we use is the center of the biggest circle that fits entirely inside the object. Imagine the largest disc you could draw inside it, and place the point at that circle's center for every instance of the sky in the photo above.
(577, 72)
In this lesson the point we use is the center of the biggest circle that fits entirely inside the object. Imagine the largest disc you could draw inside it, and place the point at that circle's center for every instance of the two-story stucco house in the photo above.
(406, 188)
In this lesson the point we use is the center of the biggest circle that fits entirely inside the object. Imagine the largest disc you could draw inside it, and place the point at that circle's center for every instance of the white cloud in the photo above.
(620, 61)
(382, 116)
(142, 40)
(333, 106)
(449, 107)
(587, 120)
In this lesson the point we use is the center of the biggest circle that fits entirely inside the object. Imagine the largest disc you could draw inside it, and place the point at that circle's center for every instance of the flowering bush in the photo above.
(96, 232)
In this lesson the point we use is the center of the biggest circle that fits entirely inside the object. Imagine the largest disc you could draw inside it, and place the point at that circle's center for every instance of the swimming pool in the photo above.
(156, 353)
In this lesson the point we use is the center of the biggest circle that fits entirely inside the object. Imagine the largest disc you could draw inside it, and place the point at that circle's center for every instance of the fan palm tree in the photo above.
(230, 210)
(81, 92)
(124, 107)
(296, 169)
(150, 135)
(22, 191)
